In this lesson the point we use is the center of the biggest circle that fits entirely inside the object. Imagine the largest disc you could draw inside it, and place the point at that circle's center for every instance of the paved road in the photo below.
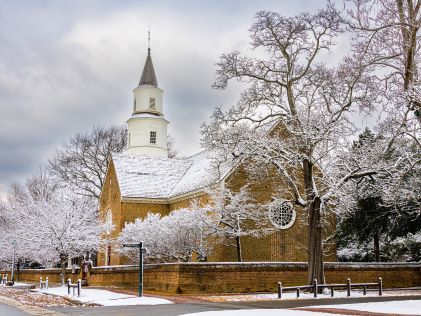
(179, 309)
(11, 311)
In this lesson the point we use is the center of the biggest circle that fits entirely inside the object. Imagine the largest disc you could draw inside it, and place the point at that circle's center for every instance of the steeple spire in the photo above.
(148, 77)
(149, 39)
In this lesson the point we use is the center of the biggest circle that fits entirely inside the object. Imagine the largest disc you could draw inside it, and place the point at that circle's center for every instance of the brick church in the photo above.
(143, 179)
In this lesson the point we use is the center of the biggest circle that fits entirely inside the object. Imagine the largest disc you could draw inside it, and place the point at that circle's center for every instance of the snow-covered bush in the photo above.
(176, 237)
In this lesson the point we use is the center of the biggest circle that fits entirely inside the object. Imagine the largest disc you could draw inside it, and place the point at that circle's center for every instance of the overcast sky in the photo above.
(66, 66)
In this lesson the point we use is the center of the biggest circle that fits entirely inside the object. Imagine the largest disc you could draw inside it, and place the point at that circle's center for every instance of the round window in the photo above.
(282, 214)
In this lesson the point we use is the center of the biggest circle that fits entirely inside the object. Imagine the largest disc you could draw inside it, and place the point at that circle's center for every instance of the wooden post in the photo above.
(79, 287)
(279, 289)
(46, 283)
(68, 286)
(40, 283)
(298, 292)
(332, 291)
(380, 287)
(365, 289)
(315, 287)
(348, 287)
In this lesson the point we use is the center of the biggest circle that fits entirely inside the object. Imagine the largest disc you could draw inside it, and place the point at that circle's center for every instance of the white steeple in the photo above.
(147, 128)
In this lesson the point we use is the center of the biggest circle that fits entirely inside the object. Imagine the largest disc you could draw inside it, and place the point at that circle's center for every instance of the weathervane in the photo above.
(149, 38)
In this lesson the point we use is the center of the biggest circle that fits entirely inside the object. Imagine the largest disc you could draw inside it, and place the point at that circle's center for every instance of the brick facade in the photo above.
(287, 245)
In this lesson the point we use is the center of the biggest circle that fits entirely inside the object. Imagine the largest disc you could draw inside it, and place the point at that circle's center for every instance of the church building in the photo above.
(143, 179)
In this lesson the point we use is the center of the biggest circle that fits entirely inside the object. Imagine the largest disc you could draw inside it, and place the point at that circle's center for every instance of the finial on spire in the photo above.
(149, 39)
(148, 77)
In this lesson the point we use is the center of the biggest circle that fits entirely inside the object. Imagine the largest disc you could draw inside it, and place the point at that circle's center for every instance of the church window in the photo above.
(282, 214)
(109, 221)
(134, 105)
(152, 138)
(152, 103)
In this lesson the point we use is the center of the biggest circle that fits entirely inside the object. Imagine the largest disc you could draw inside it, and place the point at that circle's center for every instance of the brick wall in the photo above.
(202, 278)
(110, 199)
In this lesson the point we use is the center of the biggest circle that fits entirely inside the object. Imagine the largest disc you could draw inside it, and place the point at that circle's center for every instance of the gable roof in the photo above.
(162, 178)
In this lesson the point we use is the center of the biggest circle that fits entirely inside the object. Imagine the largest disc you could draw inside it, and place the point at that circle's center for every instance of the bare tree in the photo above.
(294, 114)
(388, 31)
(172, 151)
(82, 162)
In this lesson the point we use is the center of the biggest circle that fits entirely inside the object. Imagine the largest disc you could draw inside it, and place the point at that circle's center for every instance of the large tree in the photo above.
(51, 224)
(294, 113)
(81, 162)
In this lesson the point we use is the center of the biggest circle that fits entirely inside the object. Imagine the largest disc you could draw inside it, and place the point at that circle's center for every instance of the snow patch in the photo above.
(105, 298)
(408, 307)
(254, 312)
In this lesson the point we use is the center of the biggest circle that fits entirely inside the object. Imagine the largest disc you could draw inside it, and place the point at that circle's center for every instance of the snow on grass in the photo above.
(104, 297)
(407, 307)
(254, 312)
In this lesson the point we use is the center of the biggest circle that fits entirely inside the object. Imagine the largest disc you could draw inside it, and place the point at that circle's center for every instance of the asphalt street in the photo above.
(186, 308)
(7, 310)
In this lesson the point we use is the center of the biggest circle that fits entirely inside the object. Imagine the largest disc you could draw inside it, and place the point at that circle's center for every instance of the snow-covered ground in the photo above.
(285, 296)
(105, 298)
(266, 312)
(408, 307)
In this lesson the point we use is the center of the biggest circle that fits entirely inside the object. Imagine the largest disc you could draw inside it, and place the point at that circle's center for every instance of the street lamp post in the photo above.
(141, 252)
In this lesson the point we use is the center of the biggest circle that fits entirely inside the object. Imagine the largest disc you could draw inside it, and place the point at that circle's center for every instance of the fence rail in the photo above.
(315, 287)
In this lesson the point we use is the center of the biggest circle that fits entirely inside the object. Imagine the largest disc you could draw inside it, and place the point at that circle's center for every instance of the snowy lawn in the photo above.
(105, 298)
(254, 312)
(410, 307)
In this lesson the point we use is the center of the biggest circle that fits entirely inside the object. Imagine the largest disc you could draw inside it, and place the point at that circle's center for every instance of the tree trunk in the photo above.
(238, 243)
(377, 246)
(63, 259)
(315, 241)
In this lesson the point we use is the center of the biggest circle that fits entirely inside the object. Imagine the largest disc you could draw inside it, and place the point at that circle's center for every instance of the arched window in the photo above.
(109, 221)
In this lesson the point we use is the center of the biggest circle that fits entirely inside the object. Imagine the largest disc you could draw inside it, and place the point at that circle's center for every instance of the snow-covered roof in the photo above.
(160, 178)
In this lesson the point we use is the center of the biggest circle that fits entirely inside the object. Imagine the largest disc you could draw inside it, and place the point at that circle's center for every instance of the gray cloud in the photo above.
(66, 66)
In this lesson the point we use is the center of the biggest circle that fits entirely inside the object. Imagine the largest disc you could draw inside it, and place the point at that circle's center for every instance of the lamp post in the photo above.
(141, 252)
(13, 242)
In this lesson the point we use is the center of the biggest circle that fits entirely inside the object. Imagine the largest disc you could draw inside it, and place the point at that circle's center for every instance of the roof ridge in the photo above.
(187, 169)
(198, 153)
